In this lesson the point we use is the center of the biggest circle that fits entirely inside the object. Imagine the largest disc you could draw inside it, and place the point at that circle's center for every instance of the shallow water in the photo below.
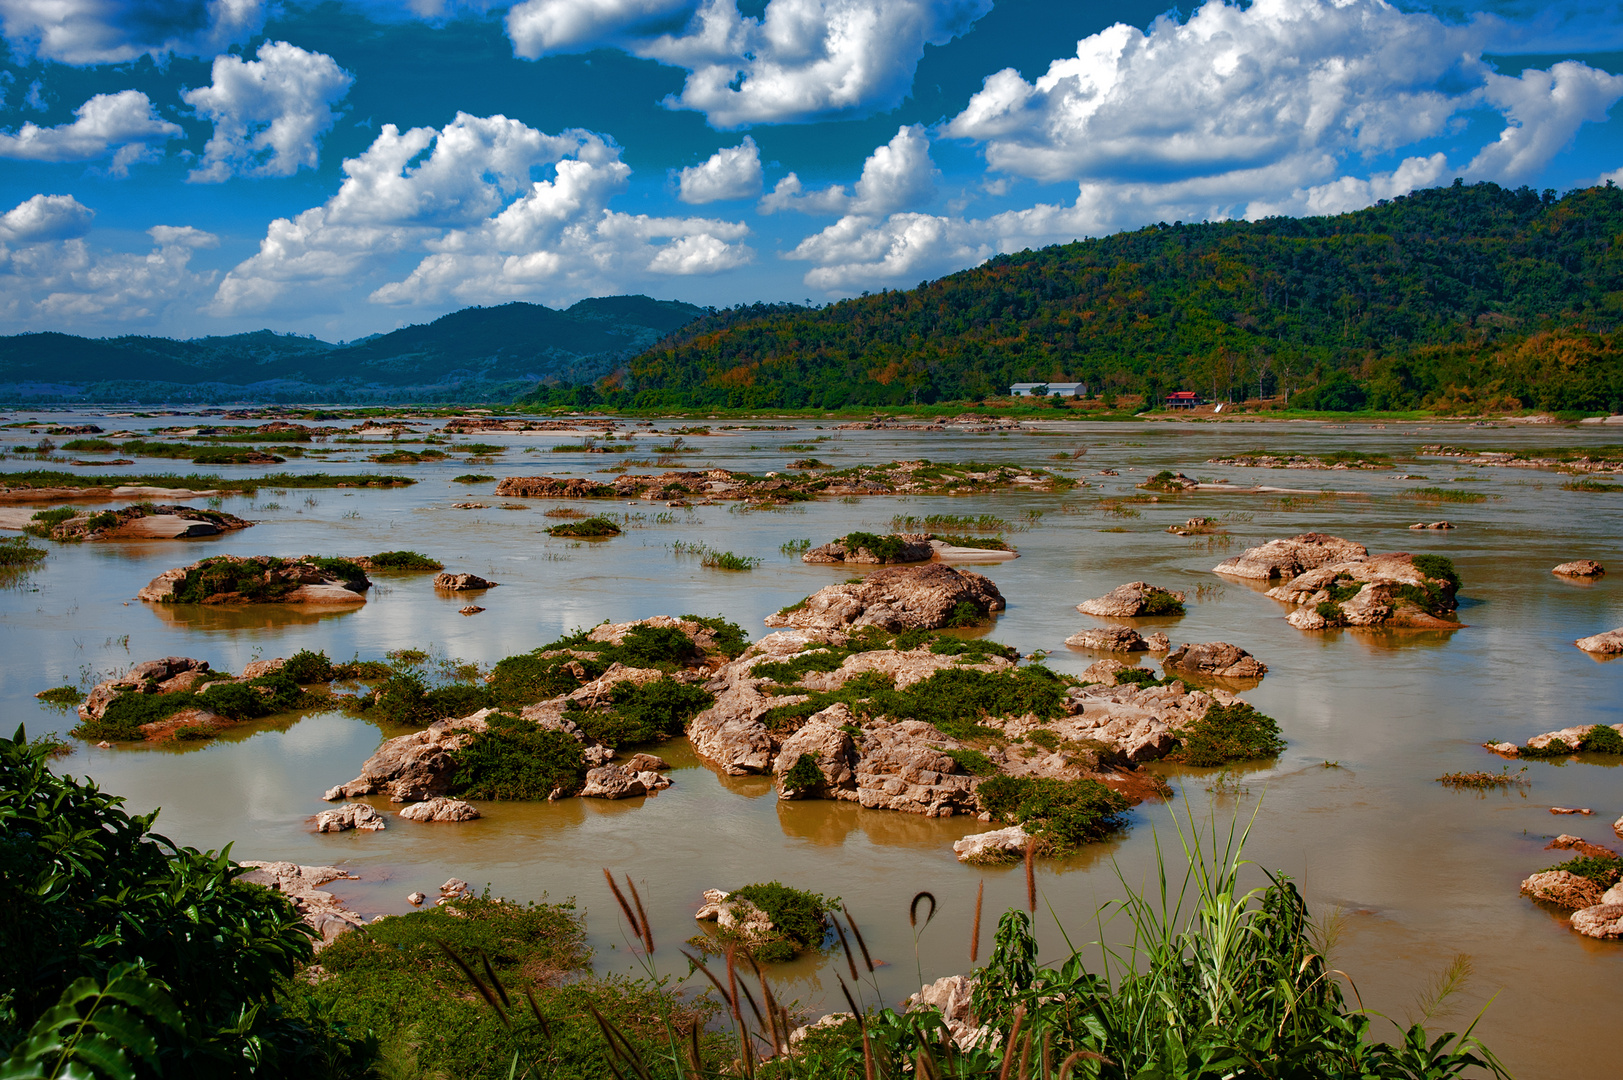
(1418, 873)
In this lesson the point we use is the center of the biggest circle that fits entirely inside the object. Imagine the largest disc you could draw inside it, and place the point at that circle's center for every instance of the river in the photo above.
(1411, 873)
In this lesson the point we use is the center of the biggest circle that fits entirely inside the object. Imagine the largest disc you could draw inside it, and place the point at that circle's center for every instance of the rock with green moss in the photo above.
(1397, 590)
(260, 579)
(927, 597)
(1134, 599)
(873, 549)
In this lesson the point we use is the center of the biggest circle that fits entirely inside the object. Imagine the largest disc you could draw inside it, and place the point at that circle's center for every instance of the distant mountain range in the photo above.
(477, 354)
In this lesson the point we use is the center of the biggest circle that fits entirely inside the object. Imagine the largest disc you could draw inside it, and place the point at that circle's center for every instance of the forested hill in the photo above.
(1457, 297)
(477, 354)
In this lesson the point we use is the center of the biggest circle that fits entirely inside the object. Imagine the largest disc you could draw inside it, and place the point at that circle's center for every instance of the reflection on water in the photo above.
(230, 618)
(1420, 873)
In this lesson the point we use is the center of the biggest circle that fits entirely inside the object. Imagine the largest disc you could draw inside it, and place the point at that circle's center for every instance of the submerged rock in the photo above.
(1580, 568)
(927, 597)
(1108, 639)
(350, 816)
(997, 846)
(1215, 658)
(1609, 643)
(440, 809)
(447, 582)
(1133, 599)
(1290, 557)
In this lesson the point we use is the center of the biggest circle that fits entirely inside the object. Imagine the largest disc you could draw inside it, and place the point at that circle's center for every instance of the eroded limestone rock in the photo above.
(1563, 889)
(320, 909)
(1580, 568)
(1290, 557)
(1133, 599)
(447, 582)
(914, 548)
(1609, 643)
(440, 809)
(350, 816)
(927, 597)
(1108, 639)
(1217, 658)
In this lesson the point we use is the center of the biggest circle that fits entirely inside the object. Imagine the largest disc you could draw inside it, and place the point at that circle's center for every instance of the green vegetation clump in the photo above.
(1603, 870)
(478, 449)
(404, 560)
(61, 696)
(729, 638)
(472, 478)
(247, 578)
(50, 478)
(887, 549)
(1437, 494)
(563, 665)
(1235, 732)
(1062, 814)
(1586, 484)
(1602, 739)
(952, 699)
(973, 762)
(804, 775)
(586, 528)
(305, 667)
(634, 714)
(985, 543)
(799, 919)
(1483, 781)
(1162, 602)
(404, 698)
(15, 551)
(514, 759)
(408, 457)
(726, 560)
(1144, 677)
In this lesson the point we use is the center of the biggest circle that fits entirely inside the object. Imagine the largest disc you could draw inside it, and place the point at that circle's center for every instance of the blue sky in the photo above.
(192, 167)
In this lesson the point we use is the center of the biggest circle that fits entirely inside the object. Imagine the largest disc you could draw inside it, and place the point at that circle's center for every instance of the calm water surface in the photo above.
(1417, 873)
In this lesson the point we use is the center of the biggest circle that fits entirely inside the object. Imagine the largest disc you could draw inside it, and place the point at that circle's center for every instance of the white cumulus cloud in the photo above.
(859, 251)
(1268, 102)
(45, 217)
(897, 176)
(51, 276)
(112, 32)
(800, 60)
(733, 172)
(121, 124)
(269, 114)
(461, 200)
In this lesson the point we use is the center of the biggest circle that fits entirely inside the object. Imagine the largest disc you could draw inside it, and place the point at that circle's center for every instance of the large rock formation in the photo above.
(1572, 738)
(417, 766)
(1563, 889)
(927, 597)
(258, 579)
(1609, 643)
(1291, 557)
(1134, 599)
(1217, 658)
(1380, 590)
(901, 548)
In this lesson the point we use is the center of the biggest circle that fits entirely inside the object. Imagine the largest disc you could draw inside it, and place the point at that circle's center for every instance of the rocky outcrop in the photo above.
(1563, 889)
(1604, 921)
(905, 548)
(258, 579)
(621, 782)
(927, 597)
(824, 737)
(1580, 568)
(1381, 590)
(1609, 643)
(1134, 599)
(350, 816)
(1290, 557)
(738, 916)
(164, 676)
(1217, 658)
(645, 762)
(414, 767)
(1108, 639)
(462, 582)
(951, 996)
(320, 909)
(990, 848)
(440, 809)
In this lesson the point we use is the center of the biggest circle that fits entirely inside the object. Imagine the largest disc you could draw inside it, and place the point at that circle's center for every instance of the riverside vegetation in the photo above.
(128, 957)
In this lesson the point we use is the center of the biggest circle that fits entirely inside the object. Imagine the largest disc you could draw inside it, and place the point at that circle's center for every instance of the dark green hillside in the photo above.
(1459, 297)
(473, 354)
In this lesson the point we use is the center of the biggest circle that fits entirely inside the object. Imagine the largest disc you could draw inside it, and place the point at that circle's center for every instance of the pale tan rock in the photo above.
(821, 737)
(1614, 895)
(1604, 921)
(440, 809)
(1215, 658)
(320, 909)
(997, 846)
(1382, 599)
(448, 582)
(644, 762)
(1129, 600)
(1158, 643)
(350, 816)
(1580, 568)
(1563, 889)
(613, 782)
(1609, 643)
(951, 996)
(896, 598)
(256, 668)
(1288, 558)
(1108, 639)
(416, 899)
(416, 766)
(1572, 736)
(1104, 671)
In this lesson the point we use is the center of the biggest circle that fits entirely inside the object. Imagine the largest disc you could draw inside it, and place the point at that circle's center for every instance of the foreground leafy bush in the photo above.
(86, 887)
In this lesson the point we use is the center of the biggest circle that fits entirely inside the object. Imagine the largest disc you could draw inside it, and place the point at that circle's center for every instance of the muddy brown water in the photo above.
(1414, 873)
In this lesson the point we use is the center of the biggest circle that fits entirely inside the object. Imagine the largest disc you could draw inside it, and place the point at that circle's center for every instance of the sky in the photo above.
(344, 168)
